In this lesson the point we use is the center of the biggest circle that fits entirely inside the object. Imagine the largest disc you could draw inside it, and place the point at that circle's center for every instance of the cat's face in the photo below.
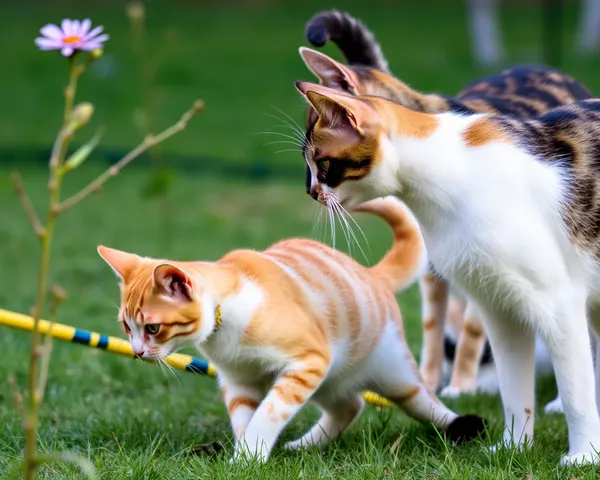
(161, 308)
(346, 149)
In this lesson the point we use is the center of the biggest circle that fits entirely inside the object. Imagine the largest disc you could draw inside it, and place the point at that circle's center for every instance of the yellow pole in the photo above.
(122, 347)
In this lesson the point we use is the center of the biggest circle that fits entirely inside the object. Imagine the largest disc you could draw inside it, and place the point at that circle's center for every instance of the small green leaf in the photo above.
(81, 154)
(70, 457)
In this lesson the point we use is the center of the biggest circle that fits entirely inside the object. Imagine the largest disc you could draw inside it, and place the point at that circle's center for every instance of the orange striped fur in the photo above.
(300, 322)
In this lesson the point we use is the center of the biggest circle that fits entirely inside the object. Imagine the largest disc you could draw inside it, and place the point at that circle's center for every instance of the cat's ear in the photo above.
(173, 281)
(122, 263)
(331, 73)
(338, 110)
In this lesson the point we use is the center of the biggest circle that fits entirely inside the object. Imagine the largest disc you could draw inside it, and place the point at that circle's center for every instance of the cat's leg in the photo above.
(336, 417)
(434, 305)
(512, 345)
(568, 343)
(241, 401)
(468, 355)
(403, 385)
(289, 393)
(594, 321)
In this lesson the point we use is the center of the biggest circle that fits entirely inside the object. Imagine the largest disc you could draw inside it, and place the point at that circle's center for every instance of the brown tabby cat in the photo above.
(296, 323)
(524, 91)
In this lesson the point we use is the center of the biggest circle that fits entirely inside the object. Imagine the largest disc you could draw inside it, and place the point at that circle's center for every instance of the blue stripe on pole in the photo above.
(81, 336)
(103, 342)
(197, 366)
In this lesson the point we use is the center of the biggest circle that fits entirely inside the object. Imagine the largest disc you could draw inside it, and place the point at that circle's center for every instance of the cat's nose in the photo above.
(139, 353)
(314, 194)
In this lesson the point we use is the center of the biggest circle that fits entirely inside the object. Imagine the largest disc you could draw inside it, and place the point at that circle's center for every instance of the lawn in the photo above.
(132, 419)
(136, 422)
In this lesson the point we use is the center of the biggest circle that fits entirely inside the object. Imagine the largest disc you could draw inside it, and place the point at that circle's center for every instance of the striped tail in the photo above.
(407, 258)
(353, 38)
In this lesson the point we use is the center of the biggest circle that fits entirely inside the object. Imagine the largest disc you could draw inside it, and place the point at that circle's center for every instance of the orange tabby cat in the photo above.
(297, 322)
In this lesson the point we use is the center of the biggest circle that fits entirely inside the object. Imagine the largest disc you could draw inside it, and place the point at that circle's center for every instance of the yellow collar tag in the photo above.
(218, 315)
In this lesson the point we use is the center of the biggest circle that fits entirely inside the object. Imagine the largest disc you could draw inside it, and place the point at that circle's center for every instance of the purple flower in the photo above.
(74, 35)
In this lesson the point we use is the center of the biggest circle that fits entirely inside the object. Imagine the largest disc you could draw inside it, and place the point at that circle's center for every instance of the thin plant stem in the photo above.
(58, 295)
(147, 143)
(39, 360)
(57, 159)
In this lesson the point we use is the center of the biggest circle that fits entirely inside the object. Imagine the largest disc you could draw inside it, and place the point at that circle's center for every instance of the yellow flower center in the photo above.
(72, 39)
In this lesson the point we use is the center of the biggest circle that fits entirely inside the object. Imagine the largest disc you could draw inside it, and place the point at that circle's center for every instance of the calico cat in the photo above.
(524, 91)
(509, 209)
(295, 323)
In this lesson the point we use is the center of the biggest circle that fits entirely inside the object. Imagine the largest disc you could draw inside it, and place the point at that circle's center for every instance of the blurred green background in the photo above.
(217, 186)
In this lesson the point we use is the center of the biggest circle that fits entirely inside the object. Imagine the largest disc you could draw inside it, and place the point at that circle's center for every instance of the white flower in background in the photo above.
(73, 35)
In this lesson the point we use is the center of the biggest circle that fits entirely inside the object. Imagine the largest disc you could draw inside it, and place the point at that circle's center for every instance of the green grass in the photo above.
(134, 421)
(128, 417)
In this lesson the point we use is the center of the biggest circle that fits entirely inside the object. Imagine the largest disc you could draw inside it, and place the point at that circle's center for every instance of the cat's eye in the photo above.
(324, 165)
(152, 329)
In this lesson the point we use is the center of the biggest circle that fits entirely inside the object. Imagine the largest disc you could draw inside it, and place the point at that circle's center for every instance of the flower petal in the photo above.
(100, 38)
(52, 31)
(93, 33)
(84, 28)
(75, 27)
(90, 45)
(67, 27)
(48, 43)
(67, 51)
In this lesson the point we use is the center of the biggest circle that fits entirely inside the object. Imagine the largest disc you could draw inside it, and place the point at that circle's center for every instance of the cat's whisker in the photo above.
(288, 116)
(281, 134)
(320, 224)
(347, 229)
(296, 132)
(294, 125)
(289, 142)
(350, 218)
(162, 369)
(344, 217)
(289, 150)
(336, 215)
(331, 223)
(170, 369)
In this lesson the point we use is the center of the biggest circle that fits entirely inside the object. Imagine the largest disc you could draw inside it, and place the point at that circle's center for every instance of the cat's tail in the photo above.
(354, 39)
(407, 258)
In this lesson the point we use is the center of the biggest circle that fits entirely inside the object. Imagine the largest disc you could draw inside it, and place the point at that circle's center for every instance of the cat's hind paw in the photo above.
(454, 392)
(555, 406)
(295, 445)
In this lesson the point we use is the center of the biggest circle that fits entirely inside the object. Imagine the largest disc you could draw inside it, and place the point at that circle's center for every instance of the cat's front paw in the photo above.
(245, 455)
(510, 444)
(580, 458)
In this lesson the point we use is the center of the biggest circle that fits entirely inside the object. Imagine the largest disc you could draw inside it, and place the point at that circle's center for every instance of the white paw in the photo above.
(244, 455)
(294, 445)
(580, 458)
(454, 392)
(509, 445)
(555, 406)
